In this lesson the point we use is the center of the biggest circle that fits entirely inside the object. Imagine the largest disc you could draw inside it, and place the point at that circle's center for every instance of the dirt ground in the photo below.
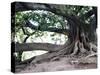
(60, 64)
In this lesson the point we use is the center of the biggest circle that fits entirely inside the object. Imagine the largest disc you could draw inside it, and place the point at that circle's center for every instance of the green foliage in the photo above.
(45, 20)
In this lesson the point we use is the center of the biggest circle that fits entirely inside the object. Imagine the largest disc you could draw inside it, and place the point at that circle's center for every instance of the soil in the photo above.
(59, 64)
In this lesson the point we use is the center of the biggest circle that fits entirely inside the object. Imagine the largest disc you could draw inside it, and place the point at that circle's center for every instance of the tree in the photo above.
(79, 23)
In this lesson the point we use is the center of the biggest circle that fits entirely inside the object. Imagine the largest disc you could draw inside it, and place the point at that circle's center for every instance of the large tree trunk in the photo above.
(79, 42)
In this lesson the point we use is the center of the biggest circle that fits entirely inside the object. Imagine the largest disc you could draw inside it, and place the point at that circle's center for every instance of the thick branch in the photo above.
(23, 6)
(36, 46)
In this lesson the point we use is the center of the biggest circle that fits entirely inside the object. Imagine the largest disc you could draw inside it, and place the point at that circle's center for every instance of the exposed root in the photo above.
(93, 47)
(75, 48)
(91, 55)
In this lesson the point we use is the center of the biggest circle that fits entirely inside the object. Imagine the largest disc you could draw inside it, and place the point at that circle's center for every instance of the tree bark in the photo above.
(78, 41)
(36, 46)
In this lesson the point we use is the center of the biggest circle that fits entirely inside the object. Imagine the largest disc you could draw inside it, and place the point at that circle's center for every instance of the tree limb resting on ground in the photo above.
(36, 46)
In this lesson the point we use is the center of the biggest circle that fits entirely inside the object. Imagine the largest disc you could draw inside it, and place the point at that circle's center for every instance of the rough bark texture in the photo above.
(36, 46)
(78, 52)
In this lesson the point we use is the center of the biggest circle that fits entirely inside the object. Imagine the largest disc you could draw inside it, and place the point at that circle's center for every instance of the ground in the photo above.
(61, 64)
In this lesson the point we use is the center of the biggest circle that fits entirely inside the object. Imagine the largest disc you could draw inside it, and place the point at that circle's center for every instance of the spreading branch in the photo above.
(36, 46)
